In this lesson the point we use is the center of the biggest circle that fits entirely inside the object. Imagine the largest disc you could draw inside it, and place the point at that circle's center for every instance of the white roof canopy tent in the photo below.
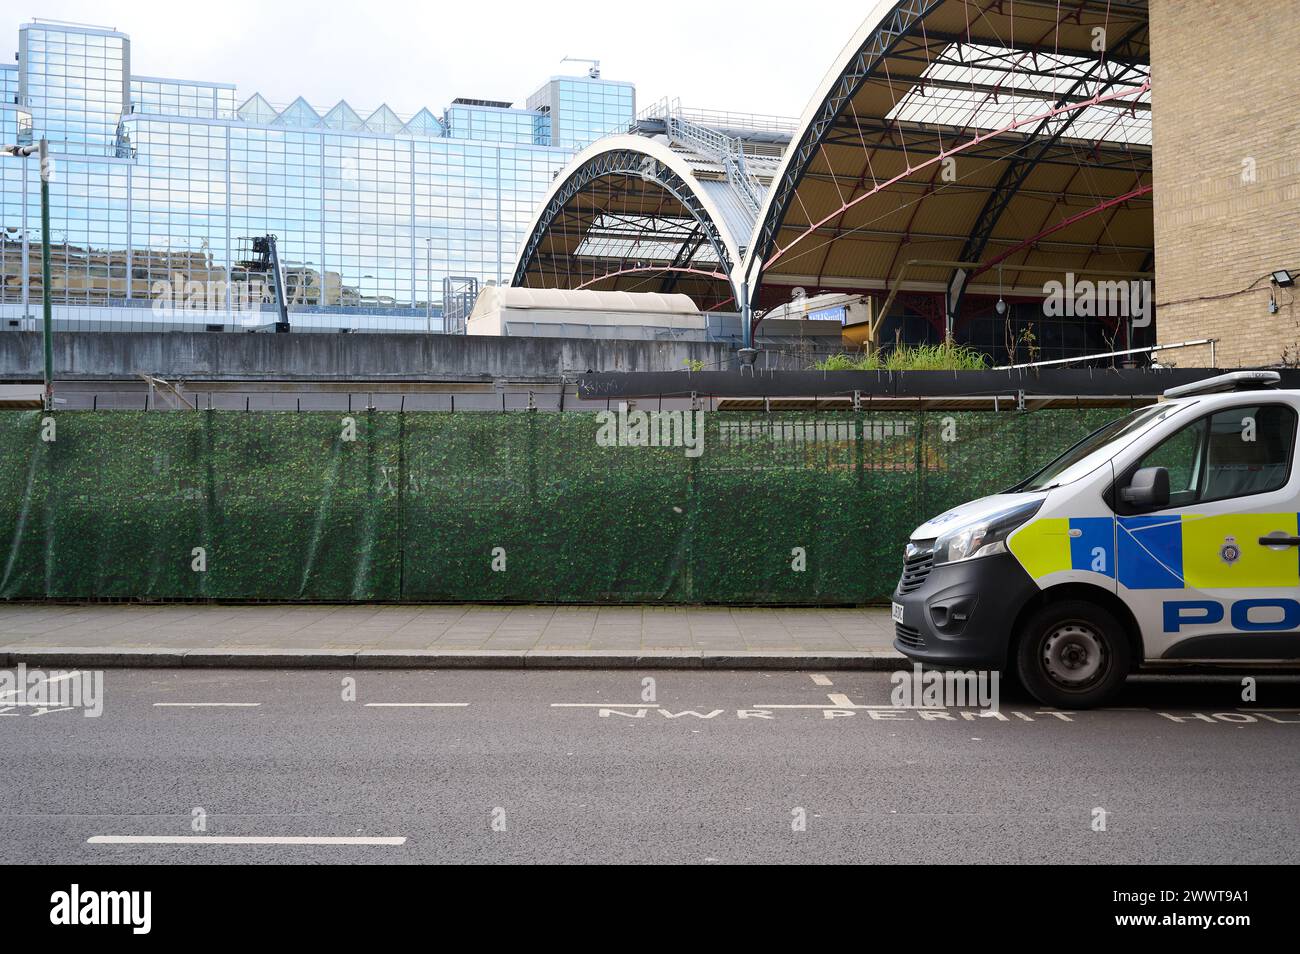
(559, 312)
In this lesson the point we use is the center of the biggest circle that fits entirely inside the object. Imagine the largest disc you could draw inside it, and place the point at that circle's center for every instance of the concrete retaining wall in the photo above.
(197, 357)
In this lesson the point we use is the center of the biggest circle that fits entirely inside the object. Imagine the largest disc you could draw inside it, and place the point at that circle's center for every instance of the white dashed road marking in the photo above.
(207, 705)
(237, 840)
(417, 705)
(820, 680)
(604, 705)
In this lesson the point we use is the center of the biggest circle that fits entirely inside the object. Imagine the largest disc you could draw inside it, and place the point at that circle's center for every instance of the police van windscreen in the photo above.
(1099, 446)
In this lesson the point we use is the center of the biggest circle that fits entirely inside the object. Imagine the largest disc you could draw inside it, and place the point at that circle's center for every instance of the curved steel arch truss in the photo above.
(895, 26)
(623, 218)
(952, 136)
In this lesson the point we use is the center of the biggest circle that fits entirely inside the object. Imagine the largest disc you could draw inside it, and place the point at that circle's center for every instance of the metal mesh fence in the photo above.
(424, 506)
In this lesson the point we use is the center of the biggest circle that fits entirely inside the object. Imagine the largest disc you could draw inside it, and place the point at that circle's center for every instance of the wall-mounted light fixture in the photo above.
(1282, 278)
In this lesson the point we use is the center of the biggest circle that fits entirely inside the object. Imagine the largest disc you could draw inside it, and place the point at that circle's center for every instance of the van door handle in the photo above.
(1279, 541)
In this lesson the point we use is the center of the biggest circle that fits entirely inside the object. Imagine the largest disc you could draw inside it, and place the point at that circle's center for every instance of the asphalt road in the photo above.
(576, 766)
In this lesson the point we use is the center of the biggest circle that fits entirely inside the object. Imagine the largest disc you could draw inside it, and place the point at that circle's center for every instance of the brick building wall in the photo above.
(1225, 91)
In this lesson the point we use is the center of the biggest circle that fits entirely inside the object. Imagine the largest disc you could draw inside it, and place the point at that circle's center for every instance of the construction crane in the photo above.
(265, 260)
(593, 70)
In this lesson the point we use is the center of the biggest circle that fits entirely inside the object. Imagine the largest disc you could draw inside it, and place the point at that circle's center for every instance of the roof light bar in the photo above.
(1234, 381)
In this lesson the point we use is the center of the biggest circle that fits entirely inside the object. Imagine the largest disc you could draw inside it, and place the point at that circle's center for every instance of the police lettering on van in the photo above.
(1169, 535)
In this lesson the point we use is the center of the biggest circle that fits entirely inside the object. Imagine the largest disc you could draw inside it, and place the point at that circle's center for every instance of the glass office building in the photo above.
(583, 109)
(383, 221)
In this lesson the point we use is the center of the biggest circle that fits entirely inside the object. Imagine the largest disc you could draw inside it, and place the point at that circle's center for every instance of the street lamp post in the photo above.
(46, 309)
(41, 149)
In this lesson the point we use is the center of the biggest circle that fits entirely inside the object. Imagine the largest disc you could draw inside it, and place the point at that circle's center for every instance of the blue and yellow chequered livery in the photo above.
(1163, 552)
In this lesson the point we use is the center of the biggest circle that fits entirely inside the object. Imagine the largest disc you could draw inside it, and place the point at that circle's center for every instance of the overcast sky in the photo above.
(412, 54)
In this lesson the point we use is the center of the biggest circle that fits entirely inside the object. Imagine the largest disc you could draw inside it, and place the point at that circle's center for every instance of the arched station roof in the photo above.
(631, 214)
(1010, 134)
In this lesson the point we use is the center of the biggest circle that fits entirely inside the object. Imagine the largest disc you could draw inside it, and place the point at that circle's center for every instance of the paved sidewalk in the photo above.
(445, 635)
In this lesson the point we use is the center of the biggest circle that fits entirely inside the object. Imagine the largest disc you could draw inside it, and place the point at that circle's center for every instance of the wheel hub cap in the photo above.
(1074, 655)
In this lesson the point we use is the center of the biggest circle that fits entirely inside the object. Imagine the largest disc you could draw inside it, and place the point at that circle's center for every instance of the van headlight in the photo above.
(985, 536)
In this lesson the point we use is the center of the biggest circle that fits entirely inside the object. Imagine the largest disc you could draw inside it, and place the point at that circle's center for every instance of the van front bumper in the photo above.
(961, 614)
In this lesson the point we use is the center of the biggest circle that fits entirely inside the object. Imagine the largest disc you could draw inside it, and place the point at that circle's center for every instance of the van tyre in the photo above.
(1073, 655)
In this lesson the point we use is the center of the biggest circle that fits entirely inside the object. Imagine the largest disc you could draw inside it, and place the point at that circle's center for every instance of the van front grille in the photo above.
(909, 637)
(918, 561)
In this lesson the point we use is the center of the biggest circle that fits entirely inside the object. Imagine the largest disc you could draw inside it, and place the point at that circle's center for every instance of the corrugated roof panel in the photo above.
(736, 217)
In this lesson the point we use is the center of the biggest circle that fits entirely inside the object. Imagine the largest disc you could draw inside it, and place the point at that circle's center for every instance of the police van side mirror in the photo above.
(1148, 488)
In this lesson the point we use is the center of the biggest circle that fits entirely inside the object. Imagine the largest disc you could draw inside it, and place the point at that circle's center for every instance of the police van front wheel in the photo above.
(1072, 655)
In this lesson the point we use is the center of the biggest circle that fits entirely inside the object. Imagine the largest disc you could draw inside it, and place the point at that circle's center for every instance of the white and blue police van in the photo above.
(1166, 539)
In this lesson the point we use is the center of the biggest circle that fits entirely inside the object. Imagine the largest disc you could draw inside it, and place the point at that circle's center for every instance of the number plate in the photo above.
(898, 612)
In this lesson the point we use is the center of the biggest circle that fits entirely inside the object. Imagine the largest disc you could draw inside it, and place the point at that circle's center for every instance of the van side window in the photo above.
(1249, 451)
(1233, 453)
(1182, 455)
